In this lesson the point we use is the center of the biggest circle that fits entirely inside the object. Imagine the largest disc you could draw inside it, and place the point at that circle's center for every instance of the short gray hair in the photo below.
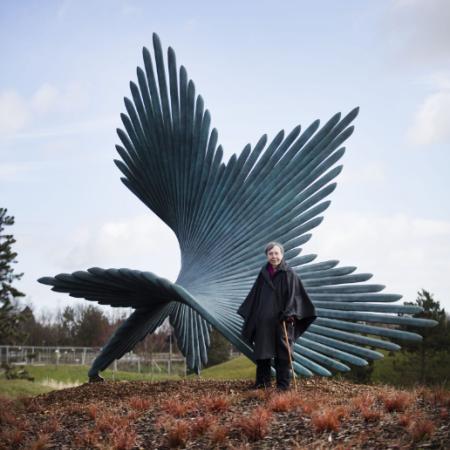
(273, 244)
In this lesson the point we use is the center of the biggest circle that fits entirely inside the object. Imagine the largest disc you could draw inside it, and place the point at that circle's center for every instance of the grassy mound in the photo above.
(197, 413)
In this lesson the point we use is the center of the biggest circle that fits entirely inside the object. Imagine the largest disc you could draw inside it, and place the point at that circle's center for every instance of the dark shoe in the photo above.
(96, 379)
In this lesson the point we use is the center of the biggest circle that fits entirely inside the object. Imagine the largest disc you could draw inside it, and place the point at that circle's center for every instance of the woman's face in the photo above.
(274, 256)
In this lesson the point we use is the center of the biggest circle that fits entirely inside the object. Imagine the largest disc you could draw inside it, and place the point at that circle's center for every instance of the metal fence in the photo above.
(153, 363)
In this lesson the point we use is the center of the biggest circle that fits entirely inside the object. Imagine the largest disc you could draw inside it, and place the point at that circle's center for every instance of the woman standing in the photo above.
(277, 296)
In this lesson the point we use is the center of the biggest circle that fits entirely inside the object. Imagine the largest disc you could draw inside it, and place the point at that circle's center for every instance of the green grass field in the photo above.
(240, 368)
(20, 388)
(49, 377)
(389, 370)
(78, 374)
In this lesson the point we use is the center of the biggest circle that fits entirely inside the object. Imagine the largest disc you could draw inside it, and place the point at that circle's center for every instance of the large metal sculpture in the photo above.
(222, 215)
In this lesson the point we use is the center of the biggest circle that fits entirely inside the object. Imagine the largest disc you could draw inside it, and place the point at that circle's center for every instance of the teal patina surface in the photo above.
(223, 214)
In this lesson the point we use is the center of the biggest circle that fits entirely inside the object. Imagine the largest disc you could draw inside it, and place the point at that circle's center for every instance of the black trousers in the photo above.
(263, 375)
(281, 360)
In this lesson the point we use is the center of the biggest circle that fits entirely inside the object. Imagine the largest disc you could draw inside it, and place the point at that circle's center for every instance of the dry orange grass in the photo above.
(40, 443)
(177, 434)
(420, 428)
(437, 397)
(306, 407)
(370, 414)
(122, 439)
(326, 420)
(88, 438)
(363, 401)
(218, 434)
(51, 425)
(255, 394)
(139, 403)
(285, 401)
(178, 409)
(13, 438)
(255, 426)
(396, 401)
(202, 424)
(92, 410)
(215, 404)
(405, 419)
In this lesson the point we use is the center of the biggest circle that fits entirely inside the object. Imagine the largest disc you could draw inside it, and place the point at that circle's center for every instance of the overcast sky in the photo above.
(261, 66)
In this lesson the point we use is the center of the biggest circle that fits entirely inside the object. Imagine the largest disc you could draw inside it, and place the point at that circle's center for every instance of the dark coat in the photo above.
(269, 302)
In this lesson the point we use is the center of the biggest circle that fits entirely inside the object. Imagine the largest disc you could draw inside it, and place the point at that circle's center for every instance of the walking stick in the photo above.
(289, 353)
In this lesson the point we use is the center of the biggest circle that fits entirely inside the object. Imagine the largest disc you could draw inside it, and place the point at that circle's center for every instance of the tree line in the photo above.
(88, 325)
(83, 324)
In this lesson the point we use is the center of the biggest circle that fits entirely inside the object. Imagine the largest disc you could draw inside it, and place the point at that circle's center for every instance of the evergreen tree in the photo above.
(10, 314)
(436, 340)
(219, 350)
(92, 326)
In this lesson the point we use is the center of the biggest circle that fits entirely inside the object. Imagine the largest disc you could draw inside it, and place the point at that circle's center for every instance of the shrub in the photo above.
(51, 425)
(284, 402)
(216, 404)
(363, 401)
(89, 438)
(421, 428)
(201, 424)
(306, 407)
(397, 401)
(92, 410)
(405, 419)
(256, 426)
(123, 438)
(164, 422)
(218, 434)
(370, 415)
(279, 403)
(438, 397)
(40, 443)
(109, 422)
(255, 394)
(177, 434)
(326, 420)
(13, 437)
(177, 409)
(139, 403)
(7, 418)
(342, 412)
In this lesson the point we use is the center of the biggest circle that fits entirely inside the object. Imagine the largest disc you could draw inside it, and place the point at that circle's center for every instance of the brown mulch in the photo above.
(197, 414)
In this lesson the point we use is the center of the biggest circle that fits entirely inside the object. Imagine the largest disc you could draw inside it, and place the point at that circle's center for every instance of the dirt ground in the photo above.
(197, 414)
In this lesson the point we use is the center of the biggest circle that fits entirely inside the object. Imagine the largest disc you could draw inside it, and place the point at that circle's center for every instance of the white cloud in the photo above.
(372, 172)
(49, 98)
(45, 98)
(404, 253)
(432, 120)
(14, 112)
(106, 122)
(440, 80)
(14, 171)
(419, 30)
(142, 243)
